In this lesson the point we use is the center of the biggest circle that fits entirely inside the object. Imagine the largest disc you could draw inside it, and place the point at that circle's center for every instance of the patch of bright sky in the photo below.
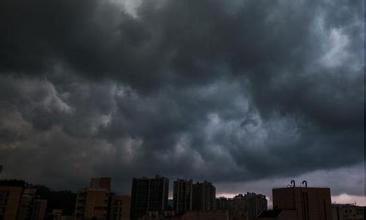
(130, 6)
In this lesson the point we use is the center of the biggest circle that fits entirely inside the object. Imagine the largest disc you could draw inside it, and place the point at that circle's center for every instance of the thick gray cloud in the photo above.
(230, 91)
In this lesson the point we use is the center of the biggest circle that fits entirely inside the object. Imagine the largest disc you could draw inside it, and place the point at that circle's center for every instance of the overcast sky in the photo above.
(246, 94)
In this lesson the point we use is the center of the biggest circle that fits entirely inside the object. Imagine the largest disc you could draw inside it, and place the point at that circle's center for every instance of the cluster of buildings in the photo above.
(98, 202)
(19, 201)
(149, 200)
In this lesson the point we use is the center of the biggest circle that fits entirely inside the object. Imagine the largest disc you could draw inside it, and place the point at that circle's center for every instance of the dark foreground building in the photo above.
(120, 207)
(182, 196)
(20, 201)
(148, 195)
(92, 202)
(203, 196)
(299, 203)
(255, 204)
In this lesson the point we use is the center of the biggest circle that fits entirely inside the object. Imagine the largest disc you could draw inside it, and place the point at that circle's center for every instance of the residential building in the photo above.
(182, 196)
(223, 203)
(299, 203)
(58, 214)
(9, 201)
(348, 212)
(19, 201)
(148, 195)
(39, 209)
(93, 202)
(203, 196)
(120, 208)
(254, 204)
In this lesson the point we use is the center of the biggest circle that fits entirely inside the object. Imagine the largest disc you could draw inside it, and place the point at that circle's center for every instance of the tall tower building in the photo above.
(203, 196)
(182, 196)
(148, 195)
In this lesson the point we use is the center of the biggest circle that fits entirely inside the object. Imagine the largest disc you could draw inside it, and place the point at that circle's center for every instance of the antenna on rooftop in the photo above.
(305, 183)
(293, 183)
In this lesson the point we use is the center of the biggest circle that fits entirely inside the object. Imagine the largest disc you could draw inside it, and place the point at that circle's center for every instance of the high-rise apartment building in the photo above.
(9, 201)
(182, 196)
(93, 202)
(148, 195)
(203, 196)
(19, 201)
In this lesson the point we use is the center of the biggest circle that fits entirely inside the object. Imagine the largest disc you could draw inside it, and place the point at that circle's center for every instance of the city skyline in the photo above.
(148, 200)
(246, 94)
(344, 199)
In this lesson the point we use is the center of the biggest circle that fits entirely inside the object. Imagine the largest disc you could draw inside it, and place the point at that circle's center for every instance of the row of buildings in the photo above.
(149, 199)
(19, 201)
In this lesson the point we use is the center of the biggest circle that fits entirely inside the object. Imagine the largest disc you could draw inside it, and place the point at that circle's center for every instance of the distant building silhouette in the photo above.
(148, 195)
(203, 196)
(222, 203)
(182, 196)
(254, 204)
(238, 202)
(243, 207)
(348, 212)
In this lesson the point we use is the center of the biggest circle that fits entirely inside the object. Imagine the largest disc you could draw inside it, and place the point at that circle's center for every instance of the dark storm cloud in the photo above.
(224, 90)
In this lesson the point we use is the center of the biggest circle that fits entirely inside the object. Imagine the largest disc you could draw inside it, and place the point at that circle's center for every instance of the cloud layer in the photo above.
(230, 91)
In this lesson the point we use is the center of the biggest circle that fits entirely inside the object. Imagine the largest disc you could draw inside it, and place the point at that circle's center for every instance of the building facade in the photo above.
(254, 205)
(348, 212)
(148, 195)
(302, 203)
(222, 203)
(182, 196)
(39, 209)
(120, 208)
(21, 202)
(203, 196)
(9, 201)
(94, 201)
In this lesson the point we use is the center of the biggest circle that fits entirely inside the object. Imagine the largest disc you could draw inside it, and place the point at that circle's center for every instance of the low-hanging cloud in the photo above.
(229, 91)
